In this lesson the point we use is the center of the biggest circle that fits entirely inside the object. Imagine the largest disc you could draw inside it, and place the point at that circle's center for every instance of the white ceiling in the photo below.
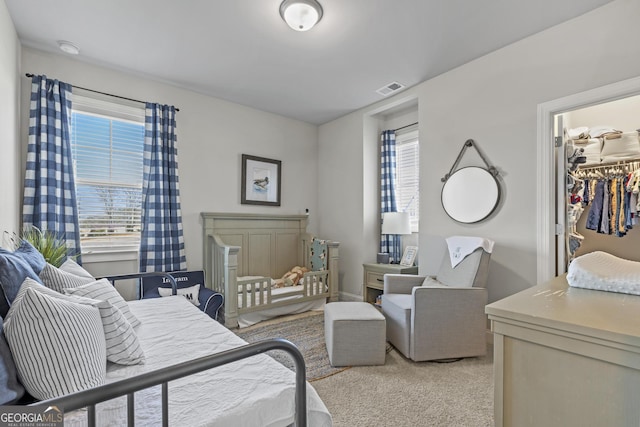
(241, 50)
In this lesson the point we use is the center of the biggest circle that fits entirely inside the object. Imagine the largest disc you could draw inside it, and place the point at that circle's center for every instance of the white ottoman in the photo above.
(355, 334)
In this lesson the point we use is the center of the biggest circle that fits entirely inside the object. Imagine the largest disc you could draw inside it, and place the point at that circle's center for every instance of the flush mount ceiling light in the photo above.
(301, 15)
(68, 47)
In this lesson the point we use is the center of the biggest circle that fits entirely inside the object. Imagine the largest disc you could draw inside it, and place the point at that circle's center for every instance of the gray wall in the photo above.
(493, 100)
(212, 136)
(331, 169)
(9, 125)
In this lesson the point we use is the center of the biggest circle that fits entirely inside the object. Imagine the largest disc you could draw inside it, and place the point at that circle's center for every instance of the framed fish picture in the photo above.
(260, 181)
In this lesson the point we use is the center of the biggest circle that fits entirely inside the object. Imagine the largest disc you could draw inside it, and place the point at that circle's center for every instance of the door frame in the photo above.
(546, 178)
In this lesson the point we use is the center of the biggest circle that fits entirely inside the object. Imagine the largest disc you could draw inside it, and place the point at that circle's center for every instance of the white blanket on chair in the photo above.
(605, 272)
(461, 246)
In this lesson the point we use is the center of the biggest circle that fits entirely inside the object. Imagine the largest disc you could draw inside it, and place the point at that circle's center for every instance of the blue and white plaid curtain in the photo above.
(49, 185)
(389, 243)
(161, 240)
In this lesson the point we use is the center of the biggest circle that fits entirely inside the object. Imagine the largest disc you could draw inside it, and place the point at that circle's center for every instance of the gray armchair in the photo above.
(442, 317)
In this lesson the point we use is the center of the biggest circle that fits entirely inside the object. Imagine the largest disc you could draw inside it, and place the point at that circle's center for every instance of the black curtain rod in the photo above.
(102, 93)
(400, 128)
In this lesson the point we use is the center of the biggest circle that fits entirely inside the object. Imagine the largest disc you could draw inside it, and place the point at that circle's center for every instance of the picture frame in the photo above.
(261, 181)
(409, 256)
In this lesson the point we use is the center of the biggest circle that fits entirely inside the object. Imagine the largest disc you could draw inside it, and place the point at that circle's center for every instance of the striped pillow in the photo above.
(58, 280)
(103, 290)
(70, 266)
(58, 346)
(123, 346)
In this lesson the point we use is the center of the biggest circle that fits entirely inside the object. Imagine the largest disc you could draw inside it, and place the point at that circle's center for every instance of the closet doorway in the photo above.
(598, 180)
(601, 194)
(604, 106)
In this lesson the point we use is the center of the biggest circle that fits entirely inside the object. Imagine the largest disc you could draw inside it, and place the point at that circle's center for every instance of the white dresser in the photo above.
(565, 356)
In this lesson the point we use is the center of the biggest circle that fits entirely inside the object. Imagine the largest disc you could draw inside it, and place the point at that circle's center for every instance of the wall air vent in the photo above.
(392, 87)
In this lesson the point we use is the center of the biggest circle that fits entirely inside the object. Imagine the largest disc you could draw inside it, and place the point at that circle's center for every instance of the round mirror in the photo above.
(470, 194)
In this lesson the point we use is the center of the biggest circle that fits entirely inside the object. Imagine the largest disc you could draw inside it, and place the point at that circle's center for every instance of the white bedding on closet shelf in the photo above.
(592, 148)
(626, 147)
(258, 391)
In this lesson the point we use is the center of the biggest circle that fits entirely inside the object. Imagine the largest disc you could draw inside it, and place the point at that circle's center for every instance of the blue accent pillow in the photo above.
(10, 388)
(13, 270)
(32, 256)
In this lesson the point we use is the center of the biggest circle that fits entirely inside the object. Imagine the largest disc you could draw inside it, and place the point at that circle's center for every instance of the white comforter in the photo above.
(257, 391)
(605, 272)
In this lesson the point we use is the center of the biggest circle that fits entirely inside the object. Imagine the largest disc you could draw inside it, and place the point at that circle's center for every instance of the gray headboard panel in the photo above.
(269, 244)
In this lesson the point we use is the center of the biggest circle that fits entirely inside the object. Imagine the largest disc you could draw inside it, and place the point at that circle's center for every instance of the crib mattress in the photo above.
(257, 391)
(251, 318)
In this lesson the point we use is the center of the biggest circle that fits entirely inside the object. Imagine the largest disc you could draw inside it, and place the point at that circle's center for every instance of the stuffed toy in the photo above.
(291, 277)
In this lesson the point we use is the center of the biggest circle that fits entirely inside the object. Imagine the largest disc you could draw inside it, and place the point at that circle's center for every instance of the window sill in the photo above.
(109, 255)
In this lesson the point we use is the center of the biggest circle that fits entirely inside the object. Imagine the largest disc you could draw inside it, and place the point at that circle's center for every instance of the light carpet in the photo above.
(306, 332)
(399, 393)
(405, 393)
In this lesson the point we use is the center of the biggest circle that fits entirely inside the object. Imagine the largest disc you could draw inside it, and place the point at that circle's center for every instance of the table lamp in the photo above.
(395, 223)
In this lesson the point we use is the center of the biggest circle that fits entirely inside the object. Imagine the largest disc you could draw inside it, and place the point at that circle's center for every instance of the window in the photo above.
(107, 141)
(407, 176)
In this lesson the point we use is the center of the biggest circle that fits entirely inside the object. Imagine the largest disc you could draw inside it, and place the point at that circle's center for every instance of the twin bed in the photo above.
(256, 391)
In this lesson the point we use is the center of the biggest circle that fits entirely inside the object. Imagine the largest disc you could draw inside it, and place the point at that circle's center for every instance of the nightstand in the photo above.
(374, 278)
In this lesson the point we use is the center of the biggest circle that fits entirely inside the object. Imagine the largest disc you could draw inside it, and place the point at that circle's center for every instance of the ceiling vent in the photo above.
(390, 88)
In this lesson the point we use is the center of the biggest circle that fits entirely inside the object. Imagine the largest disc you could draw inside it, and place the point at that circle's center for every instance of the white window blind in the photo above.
(408, 176)
(107, 141)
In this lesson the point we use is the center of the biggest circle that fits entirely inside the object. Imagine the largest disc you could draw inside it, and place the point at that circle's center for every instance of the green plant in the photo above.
(51, 245)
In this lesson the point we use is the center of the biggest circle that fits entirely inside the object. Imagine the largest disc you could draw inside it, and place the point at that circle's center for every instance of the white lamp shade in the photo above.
(301, 15)
(396, 223)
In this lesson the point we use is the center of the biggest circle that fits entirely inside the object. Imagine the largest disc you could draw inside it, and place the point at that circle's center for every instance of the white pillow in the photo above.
(103, 290)
(123, 346)
(70, 266)
(58, 346)
(191, 293)
(59, 280)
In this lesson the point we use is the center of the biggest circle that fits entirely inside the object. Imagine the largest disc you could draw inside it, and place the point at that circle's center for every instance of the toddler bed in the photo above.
(244, 253)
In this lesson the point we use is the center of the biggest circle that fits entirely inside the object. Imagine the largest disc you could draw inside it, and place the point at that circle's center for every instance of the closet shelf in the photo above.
(602, 165)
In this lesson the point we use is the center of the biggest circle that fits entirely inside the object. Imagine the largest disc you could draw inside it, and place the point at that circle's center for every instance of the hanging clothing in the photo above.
(595, 212)
(615, 204)
(613, 207)
(606, 206)
(619, 220)
(586, 197)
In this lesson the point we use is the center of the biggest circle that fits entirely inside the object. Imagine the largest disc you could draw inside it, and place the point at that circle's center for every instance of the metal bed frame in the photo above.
(89, 398)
